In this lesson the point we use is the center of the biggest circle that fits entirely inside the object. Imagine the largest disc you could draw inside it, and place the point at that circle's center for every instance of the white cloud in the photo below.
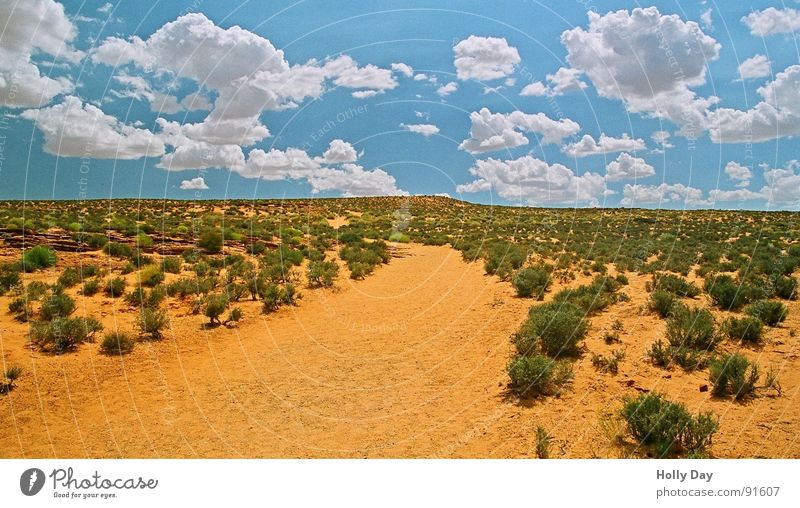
(425, 129)
(738, 173)
(339, 151)
(706, 19)
(783, 184)
(662, 139)
(772, 21)
(754, 67)
(365, 94)
(588, 146)
(447, 89)
(627, 167)
(196, 102)
(648, 60)
(717, 195)
(404, 69)
(565, 80)
(190, 153)
(638, 195)
(198, 183)
(74, 129)
(28, 28)
(776, 116)
(535, 182)
(535, 89)
(105, 8)
(420, 77)
(291, 164)
(495, 131)
(484, 58)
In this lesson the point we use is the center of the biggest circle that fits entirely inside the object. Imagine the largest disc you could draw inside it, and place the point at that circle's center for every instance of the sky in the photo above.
(582, 103)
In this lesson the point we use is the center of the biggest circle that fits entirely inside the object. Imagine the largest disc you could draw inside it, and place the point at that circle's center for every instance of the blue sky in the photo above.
(491, 102)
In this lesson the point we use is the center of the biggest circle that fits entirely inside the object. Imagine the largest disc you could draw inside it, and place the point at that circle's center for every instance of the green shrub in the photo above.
(359, 270)
(322, 273)
(532, 282)
(151, 275)
(9, 277)
(140, 297)
(745, 329)
(538, 375)
(171, 264)
(769, 312)
(152, 321)
(69, 277)
(728, 294)
(235, 315)
(210, 240)
(57, 305)
(399, 237)
(90, 287)
(117, 343)
(591, 297)
(608, 363)
(272, 294)
(38, 258)
(503, 258)
(692, 328)
(20, 308)
(118, 250)
(143, 241)
(661, 302)
(290, 294)
(215, 306)
(667, 427)
(784, 287)
(115, 287)
(543, 440)
(733, 374)
(62, 334)
(673, 284)
(555, 328)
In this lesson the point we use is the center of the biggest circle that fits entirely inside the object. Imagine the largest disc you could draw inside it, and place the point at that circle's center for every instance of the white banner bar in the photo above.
(401, 483)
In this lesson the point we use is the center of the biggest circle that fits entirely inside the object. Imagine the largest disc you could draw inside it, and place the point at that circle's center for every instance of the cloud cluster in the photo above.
(484, 58)
(627, 167)
(490, 132)
(635, 195)
(605, 144)
(198, 183)
(738, 173)
(28, 28)
(535, 182)
(772, 21)
(564, 80)
(754, 67)
(424, 129)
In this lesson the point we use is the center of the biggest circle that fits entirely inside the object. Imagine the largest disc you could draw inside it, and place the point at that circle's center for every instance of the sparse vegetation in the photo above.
(770, 312)
(554, 328)
(532, 282)
(117, 343)
(733, 374)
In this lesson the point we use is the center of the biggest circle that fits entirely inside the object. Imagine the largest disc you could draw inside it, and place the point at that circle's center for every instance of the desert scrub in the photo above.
(115, 287)
(555, 328)
(771, 313)
(69, 277)
(90, 287)
(234, 316)
(322, 273)
(215, 307)
(591, 298)
(57, 305)
(141, 297)
(118, 250)
(609, 363)
(272, 296)
(117, 343)
(210, 240)
(661, 302)
(543, 441)
(538, 375)
(672, 284)
(151, 322)
(728, 294)
(503, 258)
(38, 258)
(532, 281)
(62, 334)
(733, 374)
(11, 375)
(745, 329)
(9, 277)
(692, 328)
(151, 275)
(666, 428)
(171, 264)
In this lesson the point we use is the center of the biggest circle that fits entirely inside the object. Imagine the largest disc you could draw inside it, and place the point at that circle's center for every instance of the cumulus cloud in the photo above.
(637, 195)
(75, 129)
(754, 67)
(425, 129)
(447, 89)
(198, 183)
(776, 116)
(535, 182)
(772, 21)
(738, 173)
(717, 195)
(564, 80)
(105, 8)
(339, 151)
(495, 131)
(535, 89)
(189, 153)
(484, 58)
(354, 180)
(33, 27)
(403, 69)
(706, 19)
(627, 167)
(783, 184)
(648, 60)
(606, 144)
(661, 138)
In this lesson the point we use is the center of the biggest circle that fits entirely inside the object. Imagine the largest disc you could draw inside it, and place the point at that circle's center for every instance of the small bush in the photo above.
(210, 240)
(57, 305)
(661, 302)
(115, 287)
(290, 294)
(322, 273)
(118, 250)
(692, 328)
(667, 427)
(532, 282)
(543, 440)
(733, 374)
(90, 287)
(537, 375)
(151, 275)
(728, 294)
(769, 312)
(592, 297)
(272, 296)
(555, 328)
(784, 287)
(745, 329)
(12, 374)
(69, 277)
(152, 321)
(62, 334)
(608, 363)
(38, 258)
(673, 284)
(171, 264)
(215, 307)
(117, 343)
(235, 315)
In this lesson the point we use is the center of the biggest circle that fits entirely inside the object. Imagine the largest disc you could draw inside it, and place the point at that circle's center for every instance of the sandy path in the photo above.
(407, 363)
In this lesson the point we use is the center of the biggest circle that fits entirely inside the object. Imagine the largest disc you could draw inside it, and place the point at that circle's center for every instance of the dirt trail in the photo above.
(407, 363)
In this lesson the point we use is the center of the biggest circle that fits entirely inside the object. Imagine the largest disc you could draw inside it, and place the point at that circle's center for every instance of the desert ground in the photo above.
(409, 361)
